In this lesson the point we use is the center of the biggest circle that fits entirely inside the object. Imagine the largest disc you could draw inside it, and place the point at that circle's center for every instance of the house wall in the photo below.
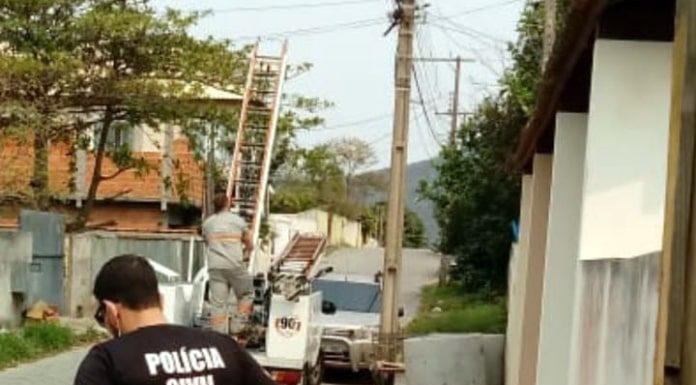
(517, 280)
(16, 169)
(562, 249)
(626, 150)
(622, 214)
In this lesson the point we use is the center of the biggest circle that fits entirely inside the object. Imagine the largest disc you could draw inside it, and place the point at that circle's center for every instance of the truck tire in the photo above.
(383, 378)
(314, 375)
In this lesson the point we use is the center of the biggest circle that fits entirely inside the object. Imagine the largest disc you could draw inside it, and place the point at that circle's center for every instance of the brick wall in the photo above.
(16, 168)
(143, 217)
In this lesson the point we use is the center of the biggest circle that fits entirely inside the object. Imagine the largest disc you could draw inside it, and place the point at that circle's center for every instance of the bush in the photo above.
(13, 349)
(48, 337)
(37, 340)
(458, 312)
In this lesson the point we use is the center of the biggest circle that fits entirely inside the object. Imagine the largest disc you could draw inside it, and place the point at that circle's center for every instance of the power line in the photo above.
(422, 104)
(479, 9)
(316, 30)
(293, 6)
(475, 52)
(355, 123)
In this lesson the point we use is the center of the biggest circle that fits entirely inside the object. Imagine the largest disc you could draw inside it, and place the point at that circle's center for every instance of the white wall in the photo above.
(626, 158)
(562, 249)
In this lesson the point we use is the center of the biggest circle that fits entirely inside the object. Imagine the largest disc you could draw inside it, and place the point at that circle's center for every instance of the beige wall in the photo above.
(344, 232)
(536, 258)
(516, 286)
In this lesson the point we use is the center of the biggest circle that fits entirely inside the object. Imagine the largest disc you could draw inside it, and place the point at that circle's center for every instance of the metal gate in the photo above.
(47, 271)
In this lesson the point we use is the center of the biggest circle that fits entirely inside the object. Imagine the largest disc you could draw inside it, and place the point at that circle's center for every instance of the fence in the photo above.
(88, 252)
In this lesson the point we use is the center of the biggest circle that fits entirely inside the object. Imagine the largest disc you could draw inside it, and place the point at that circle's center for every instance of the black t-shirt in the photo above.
(170, 355)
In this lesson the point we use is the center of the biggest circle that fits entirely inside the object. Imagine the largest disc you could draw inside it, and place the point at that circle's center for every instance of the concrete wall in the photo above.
(622, 214)
(343, 232)
(562, 249)
(517, 279)
(624, 188)
(15, 257)
(454, 359)
(616, 317)
(536, 259)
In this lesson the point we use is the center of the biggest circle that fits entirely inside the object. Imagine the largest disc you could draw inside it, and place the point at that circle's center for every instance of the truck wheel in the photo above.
(383, 378)
(314, 375)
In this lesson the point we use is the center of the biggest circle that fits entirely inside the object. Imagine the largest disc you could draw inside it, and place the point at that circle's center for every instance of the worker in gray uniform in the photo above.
(227, 239)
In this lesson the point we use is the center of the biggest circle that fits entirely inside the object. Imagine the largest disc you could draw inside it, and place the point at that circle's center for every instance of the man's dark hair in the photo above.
(220, 202)
(128, 280)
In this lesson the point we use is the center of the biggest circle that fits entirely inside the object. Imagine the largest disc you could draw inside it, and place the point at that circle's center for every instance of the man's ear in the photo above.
(161, 302)
(111, 309)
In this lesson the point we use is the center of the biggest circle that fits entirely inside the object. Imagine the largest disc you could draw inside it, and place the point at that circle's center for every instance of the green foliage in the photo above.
(447, 310)
(374, 222)
(414, 230)
(318, 178)
(475, 193)
(37, 340)
(48, 337)
(89, 67)
(13, 349)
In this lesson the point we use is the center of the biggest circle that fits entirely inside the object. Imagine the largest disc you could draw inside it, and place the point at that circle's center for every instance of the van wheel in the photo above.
(314, 375)
(383, 378)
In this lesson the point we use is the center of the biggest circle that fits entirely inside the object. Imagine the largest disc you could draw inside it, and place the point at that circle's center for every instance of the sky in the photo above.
(353, 63)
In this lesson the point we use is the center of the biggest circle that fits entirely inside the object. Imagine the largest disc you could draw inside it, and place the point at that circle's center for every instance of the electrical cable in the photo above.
(315, 30)
(292, 6)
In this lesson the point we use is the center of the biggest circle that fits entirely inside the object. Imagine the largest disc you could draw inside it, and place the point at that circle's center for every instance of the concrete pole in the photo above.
(389, 320)
(551, 11)
(455, 100)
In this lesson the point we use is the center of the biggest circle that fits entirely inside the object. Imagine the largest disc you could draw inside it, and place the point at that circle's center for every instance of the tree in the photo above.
(353, 155)
(374, 221)
(312, 178)
(81, 68)
(475, 193)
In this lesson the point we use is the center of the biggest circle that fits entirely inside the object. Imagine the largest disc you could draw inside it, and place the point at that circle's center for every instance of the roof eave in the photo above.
(582, 20)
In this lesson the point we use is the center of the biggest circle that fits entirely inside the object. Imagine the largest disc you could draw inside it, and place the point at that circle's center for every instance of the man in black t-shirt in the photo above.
(146, 349)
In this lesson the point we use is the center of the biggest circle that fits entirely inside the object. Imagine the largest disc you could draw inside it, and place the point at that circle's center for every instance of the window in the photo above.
(119, 136)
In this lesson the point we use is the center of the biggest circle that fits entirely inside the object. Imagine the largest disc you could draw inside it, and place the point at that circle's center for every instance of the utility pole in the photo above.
(551, 12)
(455, 100)
(389, 321)
(454, 112)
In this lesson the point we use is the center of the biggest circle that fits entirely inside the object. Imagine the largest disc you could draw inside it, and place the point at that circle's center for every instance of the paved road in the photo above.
(58, 370)
(420, 268)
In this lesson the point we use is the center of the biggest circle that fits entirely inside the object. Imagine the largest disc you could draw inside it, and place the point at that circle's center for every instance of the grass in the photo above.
(449, 310)
(39, 340)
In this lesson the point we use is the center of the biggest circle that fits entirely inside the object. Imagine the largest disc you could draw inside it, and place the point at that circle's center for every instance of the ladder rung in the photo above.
(256, 109)
(253, 145)
(257, 91)
(270, 58)
(256, 128)
(247, 181)
(266, 74)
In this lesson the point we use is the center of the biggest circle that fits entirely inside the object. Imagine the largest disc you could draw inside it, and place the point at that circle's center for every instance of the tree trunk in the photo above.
(39, 181)
(97, 172)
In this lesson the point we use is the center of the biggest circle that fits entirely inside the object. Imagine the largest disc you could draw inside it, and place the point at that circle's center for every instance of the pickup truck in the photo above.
(350, 320)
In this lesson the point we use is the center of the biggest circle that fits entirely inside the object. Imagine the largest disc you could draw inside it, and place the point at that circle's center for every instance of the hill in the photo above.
(424, 209)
